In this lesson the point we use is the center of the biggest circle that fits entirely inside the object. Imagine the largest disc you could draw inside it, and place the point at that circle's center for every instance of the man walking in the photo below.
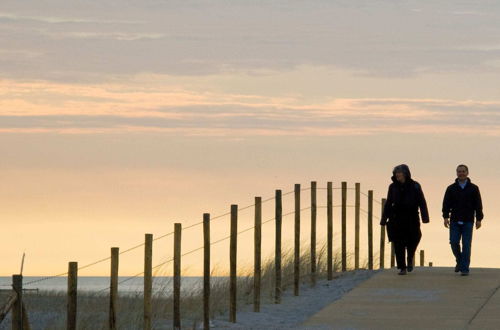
(463, 200)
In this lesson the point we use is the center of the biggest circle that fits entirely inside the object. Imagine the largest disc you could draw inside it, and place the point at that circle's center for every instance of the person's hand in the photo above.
(383, 222)
(447, 222)
(426, 221)
(478, 224)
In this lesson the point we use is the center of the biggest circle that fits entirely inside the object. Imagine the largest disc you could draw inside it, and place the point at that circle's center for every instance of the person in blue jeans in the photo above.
(461, 204)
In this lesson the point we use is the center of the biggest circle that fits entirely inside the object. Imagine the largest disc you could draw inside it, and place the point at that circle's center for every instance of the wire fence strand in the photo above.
(195, 225)
(46, 278)
(375, 200)
(201, 248)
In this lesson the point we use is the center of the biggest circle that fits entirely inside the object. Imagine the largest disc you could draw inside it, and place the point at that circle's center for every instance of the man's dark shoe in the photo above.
(402, 272)
(410, 269)
(457, 268)
(464, 274)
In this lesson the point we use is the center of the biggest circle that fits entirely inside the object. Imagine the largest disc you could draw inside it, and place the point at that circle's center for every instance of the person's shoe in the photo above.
(402, 272)
(464, 274)
(457, 268)
(410, 269)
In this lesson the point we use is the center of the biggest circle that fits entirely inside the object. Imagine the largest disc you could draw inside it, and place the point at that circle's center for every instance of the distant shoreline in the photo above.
(100, 283)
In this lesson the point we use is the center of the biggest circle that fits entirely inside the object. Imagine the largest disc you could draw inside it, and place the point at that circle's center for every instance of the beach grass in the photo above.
(47, 309)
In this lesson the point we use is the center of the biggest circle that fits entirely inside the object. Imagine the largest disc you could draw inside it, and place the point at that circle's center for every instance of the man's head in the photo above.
(462, 172)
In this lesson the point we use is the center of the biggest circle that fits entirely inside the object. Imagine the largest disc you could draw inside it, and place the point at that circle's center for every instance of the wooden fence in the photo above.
(20, 318)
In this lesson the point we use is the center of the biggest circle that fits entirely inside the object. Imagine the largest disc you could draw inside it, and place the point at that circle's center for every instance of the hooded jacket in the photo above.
(463, 204)
(404, 200)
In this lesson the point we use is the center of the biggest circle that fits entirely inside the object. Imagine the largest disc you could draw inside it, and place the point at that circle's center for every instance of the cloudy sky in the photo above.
(122, 117)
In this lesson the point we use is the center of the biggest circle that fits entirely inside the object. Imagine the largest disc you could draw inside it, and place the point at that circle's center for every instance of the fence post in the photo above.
(71, 310)
(329, 212)
(17, 309)
(26, 322)
(113, 290)
(344, 226)
(233, 249)
(177, 275)
(357, 206)
(313, 232)
(382, 239)
(296, 264)
(257, 254)
(206, 271)
(277, 252)
(370, 229)
(430, 264)
(422, 258)
(148, 280)
(393, 255)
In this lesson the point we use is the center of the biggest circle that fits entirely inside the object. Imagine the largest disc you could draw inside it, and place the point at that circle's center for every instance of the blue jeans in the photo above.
(464, 232)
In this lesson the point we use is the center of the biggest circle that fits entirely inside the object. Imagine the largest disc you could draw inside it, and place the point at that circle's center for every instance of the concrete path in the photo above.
(427, 298)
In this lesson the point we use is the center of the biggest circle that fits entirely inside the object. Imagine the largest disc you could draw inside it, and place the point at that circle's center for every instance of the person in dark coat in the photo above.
(461, 204)
(401, 215)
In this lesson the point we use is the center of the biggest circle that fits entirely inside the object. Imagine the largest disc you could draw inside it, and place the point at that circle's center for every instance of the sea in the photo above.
(94, 284)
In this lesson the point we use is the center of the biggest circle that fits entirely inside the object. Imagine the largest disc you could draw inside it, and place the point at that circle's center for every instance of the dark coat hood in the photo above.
(403, 168)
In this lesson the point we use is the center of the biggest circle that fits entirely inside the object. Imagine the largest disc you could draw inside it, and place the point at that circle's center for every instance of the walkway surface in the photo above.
(427, 298)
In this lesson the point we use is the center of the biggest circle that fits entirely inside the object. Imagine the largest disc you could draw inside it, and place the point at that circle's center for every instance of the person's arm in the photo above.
(387, 208)
(447, 207)
(422, 203)
(479, 209)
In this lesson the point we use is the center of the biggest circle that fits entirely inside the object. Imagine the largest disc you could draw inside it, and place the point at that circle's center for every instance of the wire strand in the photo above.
(375, 200)
(194, 225)
(155, 239)
(201, 248)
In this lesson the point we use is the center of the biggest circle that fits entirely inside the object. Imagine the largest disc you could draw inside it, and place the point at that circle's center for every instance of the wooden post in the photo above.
(113, 290)
(26, 321)
(393, 255)
(430, 264)
(277, 251)
(370, 229)
(313, 232)
(296, 263)
(344, 226)
(148, 281)
(71, 308)
(17, 309)
(206, 271)
(233, 249)
(422, 258)
(357, 206)
(382, 240)
(257, 254)
(177, 275)
(329, 212)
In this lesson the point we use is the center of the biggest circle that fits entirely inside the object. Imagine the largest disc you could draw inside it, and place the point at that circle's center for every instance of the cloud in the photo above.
(375, 39)
(61, 20)
(121, 36)
(93, 109)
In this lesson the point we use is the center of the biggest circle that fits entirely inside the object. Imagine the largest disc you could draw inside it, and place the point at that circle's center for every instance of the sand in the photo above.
(293, 311)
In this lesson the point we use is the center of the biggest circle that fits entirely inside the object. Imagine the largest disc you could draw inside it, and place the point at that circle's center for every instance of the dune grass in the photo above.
(47, 309)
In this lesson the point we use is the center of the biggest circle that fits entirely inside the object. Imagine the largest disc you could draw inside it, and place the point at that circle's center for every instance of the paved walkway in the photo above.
(427, 298)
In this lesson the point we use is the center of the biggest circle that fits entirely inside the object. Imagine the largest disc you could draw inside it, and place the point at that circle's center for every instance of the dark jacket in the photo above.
(463, 204)
(401, 210)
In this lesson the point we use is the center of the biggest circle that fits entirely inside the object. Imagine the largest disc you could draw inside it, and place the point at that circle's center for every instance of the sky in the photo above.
(119, 118)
